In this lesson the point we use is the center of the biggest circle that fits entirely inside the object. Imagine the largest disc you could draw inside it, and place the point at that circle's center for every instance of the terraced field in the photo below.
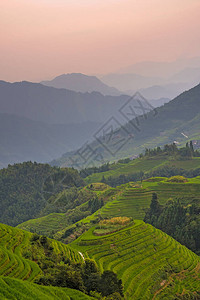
(22, 290)
(133, 166)
(145, 165)
(151, 264)
(46, 225)
(131, 203)
(18, 273)
(13, 242)
(129, 200)
(135, 198)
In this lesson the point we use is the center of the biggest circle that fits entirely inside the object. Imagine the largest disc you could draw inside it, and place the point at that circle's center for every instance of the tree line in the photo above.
(180, 222)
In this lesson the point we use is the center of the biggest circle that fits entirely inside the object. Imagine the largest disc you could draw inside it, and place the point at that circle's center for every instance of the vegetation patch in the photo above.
(108, 226)
(177, 179)
(26, 188)
(180, 221)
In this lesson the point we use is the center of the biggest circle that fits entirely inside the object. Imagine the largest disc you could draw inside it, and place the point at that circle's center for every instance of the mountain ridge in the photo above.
(156, 128)
(81, 83)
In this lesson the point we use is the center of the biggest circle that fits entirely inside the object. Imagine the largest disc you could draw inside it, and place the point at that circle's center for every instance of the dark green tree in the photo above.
(110, 284)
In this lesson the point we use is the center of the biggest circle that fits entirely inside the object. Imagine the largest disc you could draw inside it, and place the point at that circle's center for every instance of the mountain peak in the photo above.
(79, 82)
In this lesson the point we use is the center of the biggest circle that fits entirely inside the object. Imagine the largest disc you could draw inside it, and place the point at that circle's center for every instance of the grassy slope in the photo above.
(57, 222)
(17, 289)
(46, 225)
(144, 165)
(13, 242)
(150, 263)
(130, 200)
(135, 199)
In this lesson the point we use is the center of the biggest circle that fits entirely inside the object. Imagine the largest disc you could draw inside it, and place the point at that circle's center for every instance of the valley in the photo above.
(100, 150)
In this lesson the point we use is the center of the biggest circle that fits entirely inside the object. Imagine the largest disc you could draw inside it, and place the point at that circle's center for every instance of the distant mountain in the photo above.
(157, 79)
(40, 123)
(130, 81)
(23, 139)
(156, 101)
(178, 120)
(81, 83)
(169, 91)
(155, 87)
(187, 75)
(56, 106)
(161, 69)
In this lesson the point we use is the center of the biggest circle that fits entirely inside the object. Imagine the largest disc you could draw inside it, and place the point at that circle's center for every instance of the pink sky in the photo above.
(44, 38)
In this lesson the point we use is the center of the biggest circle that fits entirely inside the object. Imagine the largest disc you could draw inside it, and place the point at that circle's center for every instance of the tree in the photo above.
(191, 148)
(91, 275)
(155, 205)
(110, 284)
(154, 211)
(141, 174)
(103, 180)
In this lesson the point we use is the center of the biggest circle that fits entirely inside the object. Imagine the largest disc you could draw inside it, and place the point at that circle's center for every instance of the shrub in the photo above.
(177, 179)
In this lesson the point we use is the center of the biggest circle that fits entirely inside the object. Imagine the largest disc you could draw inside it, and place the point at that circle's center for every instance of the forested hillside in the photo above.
(65, 209)
(176, 121)
(178, 220)
(25, 189)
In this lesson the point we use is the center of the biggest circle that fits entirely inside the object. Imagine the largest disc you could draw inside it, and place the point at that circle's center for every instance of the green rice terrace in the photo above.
(17, 273)
(151, 264)
(128, 200)
(135, 198)
(13, 243)
(144, 165)
(11, 288)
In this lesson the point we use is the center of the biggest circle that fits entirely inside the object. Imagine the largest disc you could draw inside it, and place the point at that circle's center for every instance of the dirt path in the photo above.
(81, 254)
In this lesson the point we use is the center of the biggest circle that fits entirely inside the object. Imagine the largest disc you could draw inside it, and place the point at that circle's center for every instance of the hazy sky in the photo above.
(44, 38)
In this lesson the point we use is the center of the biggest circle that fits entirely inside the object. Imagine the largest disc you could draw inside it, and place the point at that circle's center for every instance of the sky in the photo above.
(40, 39)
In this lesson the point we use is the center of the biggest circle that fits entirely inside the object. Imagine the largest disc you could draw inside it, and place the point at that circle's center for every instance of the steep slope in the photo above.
(17, 272)
(175, 121)
(17, 289)
(151, 264)
(81, 83)
(15, 245)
